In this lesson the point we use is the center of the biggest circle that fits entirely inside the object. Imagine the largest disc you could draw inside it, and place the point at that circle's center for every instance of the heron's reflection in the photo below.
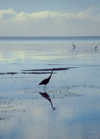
(46, 96)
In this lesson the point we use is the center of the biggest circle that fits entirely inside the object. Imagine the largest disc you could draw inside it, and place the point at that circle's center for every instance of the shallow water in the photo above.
(71, 105)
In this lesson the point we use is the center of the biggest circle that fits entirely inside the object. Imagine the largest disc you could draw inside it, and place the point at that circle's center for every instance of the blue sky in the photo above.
(49, 18)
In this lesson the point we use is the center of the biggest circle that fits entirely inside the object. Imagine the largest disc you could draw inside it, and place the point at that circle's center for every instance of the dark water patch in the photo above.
(8, 73)
(35, 72)
(12, 73)
(54, 69)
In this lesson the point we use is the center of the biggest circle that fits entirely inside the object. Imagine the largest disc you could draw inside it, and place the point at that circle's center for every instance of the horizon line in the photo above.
(49, 36)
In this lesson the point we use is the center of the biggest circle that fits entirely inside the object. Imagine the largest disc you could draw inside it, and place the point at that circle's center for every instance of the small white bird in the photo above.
(74, 46)
(96, 48)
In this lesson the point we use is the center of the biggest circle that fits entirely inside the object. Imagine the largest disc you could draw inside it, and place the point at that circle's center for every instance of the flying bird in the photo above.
(74, 46)
(46, 81)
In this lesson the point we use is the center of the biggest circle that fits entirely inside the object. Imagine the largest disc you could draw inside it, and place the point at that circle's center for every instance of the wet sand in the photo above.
(69, 107)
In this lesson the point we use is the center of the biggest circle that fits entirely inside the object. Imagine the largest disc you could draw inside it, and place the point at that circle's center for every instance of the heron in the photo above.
(74, 46)
(46, 81)
(96, 48)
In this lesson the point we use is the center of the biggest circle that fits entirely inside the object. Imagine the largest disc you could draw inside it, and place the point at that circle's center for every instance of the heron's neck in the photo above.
(51, 74)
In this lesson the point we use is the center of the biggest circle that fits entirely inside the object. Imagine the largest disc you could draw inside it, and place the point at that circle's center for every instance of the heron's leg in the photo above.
(44, 88)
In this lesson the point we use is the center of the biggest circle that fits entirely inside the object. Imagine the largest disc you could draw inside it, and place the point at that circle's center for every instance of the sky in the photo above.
(49, 18)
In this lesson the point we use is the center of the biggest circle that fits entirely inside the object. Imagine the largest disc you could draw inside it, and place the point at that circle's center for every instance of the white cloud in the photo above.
(12, 15)
(49, 23)
(7, 14)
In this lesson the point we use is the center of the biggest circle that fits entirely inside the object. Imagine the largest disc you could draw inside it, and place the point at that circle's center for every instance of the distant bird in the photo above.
(74, 46)
(96, 48)
(46, 81)
(46, 96)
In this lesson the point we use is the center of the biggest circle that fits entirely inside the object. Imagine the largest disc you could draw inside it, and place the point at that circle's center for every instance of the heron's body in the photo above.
(46, 81)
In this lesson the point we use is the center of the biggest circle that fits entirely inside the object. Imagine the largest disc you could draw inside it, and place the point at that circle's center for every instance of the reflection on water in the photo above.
(46, 96)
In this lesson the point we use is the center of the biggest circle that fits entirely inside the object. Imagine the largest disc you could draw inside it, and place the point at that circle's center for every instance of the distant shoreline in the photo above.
(50, 38)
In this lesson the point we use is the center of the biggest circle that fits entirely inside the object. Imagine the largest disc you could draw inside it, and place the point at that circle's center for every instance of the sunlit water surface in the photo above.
(72, 110)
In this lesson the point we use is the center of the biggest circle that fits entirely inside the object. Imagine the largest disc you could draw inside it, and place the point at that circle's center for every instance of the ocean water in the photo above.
(69, 107)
